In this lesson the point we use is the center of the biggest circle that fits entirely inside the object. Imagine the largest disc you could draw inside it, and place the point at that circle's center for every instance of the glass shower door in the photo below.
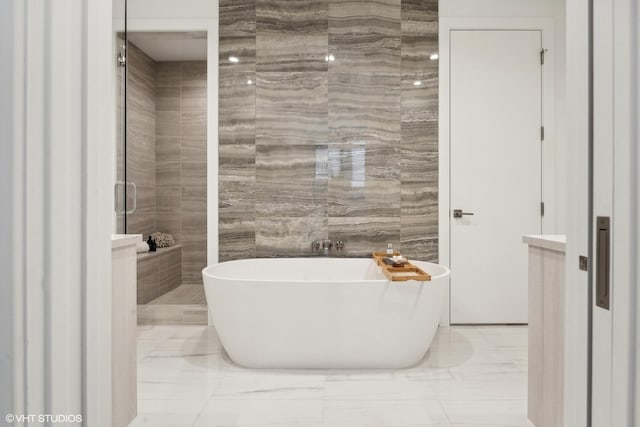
(124, 189)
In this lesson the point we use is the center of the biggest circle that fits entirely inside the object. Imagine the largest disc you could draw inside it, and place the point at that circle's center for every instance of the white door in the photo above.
(496, 177)
(616, 215)
(602, 207)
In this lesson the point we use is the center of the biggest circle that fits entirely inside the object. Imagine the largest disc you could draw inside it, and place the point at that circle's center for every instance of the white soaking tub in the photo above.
(322, 313)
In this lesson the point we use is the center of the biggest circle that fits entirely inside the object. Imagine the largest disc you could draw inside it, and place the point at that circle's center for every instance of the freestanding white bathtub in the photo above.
(322, 313)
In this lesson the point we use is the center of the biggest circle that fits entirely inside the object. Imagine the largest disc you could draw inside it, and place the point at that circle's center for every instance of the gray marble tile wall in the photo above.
(141, 139)
(167, 154)
(419, 129)
(181, 160)
(158, 273)
(237, 129)
(328, 126)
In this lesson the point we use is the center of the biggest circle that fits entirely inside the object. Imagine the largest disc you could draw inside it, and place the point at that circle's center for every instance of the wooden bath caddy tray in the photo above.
(400, 274)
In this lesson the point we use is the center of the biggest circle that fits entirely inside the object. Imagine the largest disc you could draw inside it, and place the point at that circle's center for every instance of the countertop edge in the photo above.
(119, 241)
(554, 242)
(160, 251)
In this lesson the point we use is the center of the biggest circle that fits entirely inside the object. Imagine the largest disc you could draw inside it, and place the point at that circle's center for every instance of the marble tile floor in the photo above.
(473, 376)
(184, 305)
(183, 294)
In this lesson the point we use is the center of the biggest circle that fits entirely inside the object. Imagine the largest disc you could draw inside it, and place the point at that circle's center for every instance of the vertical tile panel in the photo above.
(362, 235)
(419, 103)
(364, 180)
(237, 18)
(291, 199)
(168, 149)
(236, 129)
(420, 18)
(364, 124)
(194, 259)
(237, 98)
(364, 108)
(193, 157)
(171, 223)
(288, 236)
(364, 36)
(167, 73)
(291, 181)
(291, 35)
(238, 237)
(291, 108)
(141, 139)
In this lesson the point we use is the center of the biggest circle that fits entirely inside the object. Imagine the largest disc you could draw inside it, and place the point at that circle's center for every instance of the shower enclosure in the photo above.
(161, 169)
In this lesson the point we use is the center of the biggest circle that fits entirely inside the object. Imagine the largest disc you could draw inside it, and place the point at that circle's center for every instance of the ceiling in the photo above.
(171, 46)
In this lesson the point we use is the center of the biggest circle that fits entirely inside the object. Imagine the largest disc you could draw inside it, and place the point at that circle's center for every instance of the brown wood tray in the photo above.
(400, 274)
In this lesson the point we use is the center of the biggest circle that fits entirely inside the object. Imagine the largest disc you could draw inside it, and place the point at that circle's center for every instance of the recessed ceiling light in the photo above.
(434, 56)
(417, 83)
(329, 58)
(234, 59)
(249, 82)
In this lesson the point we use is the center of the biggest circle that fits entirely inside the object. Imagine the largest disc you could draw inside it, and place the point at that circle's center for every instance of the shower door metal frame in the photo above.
(210, 26)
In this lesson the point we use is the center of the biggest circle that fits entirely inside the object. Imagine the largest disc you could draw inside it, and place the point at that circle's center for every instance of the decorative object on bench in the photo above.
(152, 244)
(142, 247)
(163, 240)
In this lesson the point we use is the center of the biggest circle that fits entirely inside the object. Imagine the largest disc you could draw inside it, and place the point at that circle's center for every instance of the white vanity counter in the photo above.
(119, 241)
(123, 328)
(546, 329)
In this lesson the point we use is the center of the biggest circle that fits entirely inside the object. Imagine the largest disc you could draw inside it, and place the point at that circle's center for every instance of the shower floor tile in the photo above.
(184, 305)
(183, 294)
(471, 376)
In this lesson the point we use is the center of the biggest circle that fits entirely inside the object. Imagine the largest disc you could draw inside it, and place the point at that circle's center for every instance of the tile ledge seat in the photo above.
(158, 252)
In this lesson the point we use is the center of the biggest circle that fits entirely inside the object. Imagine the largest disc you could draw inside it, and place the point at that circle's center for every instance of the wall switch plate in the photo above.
(583, 263)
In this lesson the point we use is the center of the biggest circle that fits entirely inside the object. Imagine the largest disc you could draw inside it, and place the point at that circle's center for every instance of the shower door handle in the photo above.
(123, 191)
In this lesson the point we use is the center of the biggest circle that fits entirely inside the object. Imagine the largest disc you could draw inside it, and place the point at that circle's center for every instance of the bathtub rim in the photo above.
(206, 273)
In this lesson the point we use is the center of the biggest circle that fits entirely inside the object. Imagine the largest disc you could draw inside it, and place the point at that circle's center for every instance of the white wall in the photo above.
(554, 9)
(55, 213)
(169, 9)
(6, 217)
(499, 8)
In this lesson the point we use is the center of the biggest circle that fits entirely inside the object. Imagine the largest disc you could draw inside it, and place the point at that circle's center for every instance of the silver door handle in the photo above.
(120, 189)
(603, 261)
(458, 213)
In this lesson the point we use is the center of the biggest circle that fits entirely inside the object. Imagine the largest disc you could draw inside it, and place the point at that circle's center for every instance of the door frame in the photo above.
(625, 205)
(546, 27)
(625, 302)
(625, 371)
(57, 219)
(211, 28)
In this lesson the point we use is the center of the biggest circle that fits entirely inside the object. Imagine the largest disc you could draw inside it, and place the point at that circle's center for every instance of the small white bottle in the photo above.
(389, 249)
